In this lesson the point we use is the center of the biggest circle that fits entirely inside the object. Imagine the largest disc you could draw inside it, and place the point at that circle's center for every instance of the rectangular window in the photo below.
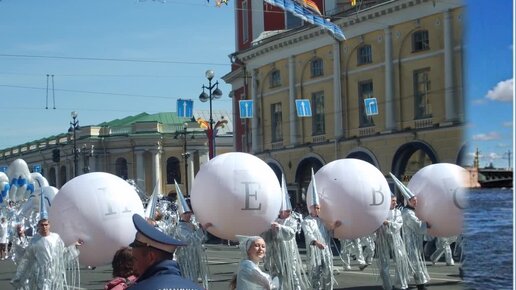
(275, 79)
(277, 132)
(420, 40)
(317, 67)
(318, 113)
(365, 91)
(364, 55)
(245, 22)
(422, 105)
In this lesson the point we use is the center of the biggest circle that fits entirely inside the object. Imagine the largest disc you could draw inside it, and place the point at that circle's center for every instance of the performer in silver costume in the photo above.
(249, 275)
(318, 245)
(20, 243)
(413, 231)
(46, 259)
(443, 246)
(390, 243)
(283, 259)
(192, 259)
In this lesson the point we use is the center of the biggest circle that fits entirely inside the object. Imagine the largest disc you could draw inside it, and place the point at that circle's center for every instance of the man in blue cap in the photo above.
(153, 251)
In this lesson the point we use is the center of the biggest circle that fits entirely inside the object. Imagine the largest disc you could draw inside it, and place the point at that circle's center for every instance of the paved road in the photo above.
(224, 260)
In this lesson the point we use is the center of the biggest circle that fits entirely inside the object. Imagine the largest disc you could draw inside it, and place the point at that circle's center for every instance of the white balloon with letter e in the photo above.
(238, 193)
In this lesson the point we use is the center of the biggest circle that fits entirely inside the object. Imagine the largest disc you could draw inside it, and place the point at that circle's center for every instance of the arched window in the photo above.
(62, 175)
(173, 171)
(121, 168)
(52, 177)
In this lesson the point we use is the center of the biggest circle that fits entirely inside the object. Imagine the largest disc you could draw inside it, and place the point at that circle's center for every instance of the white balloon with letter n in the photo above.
(238, 193)
(353, 192)
(96, 208)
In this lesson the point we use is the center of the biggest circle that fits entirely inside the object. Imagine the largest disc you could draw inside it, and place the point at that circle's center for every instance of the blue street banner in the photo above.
(184, 108)
(371, 106)
(303, 108)
(246, 109)
(36, 168)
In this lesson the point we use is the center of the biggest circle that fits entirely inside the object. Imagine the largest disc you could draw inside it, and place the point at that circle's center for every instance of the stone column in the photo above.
(292, 100)
(156, 165)
(255, 130)
(337, 91)
(449, 84)
(389, 82)
(140, 168)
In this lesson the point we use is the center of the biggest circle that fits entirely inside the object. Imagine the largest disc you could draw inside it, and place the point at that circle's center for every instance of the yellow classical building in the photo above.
(391, 94)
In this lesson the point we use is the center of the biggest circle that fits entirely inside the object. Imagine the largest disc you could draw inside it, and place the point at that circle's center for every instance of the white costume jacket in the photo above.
(44, 265)
(320, 261)
(413, 232)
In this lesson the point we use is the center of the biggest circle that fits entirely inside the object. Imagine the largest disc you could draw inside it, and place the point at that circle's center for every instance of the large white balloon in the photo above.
(238, 193)
(354, 192)
(441, 197)
(96, 208)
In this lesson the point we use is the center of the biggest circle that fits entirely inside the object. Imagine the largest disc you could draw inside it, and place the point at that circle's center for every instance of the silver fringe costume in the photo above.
(18, 248)
(443, 246)
(413, 231)
(390, 243)
(192, 259)
(283, 259)
(44, 265)
(320, 262)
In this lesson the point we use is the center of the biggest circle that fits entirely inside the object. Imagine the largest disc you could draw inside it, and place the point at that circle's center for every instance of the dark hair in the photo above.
(123, 263)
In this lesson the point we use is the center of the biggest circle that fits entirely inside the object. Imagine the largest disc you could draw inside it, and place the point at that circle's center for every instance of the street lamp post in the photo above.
(74, 127)
(185, 156)
(213, 92)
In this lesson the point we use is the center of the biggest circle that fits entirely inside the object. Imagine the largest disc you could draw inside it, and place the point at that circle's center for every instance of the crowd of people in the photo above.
(161, 257)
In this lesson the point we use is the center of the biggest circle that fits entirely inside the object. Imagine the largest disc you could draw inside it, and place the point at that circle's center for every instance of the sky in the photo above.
(111, 59)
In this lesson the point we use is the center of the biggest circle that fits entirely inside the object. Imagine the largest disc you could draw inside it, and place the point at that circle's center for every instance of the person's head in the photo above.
(2, 219)
(284, 214)
(150, 245)
(186, 216)
(20, 230)
(413, 201)
(315, 210)
(123, 263)
(394, 201)
(43, 227)
(255, 249)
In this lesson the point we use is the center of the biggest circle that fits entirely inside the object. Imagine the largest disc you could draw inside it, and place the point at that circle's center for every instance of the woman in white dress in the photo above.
(249, 275)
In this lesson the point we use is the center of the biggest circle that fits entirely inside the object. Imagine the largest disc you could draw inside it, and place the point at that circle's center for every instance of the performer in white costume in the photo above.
(249, 275)
(413, 231)
(318, 244)
(390, 243)
(283, 259)
(20, 243)
(192, 259)
(45, 262)
(443, 246)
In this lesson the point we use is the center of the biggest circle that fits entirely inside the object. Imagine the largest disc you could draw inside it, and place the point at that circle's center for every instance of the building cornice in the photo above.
(309, 37)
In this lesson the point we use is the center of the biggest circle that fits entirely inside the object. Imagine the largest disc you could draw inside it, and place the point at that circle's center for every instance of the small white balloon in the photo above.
(96, 208)
(353, 192)
(238, 193)
(441, 198)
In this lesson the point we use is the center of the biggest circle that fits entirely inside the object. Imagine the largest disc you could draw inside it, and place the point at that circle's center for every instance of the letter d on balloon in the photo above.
(248, 194)
(377, 193)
